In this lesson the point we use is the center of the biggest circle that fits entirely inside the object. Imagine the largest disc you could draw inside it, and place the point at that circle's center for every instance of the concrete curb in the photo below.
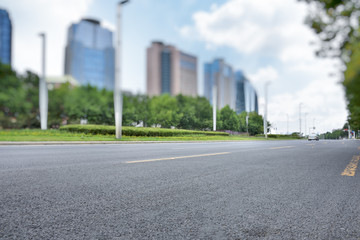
(108, 142)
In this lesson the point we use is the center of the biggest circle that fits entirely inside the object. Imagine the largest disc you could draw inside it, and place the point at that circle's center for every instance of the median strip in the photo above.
(281, 147)
(181, 157)
(351, 167)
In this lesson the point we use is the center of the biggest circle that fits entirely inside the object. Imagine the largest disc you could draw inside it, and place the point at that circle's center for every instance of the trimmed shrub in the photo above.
(137, 131)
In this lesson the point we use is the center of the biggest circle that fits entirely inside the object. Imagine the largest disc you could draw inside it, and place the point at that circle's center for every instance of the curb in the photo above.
(106, 142)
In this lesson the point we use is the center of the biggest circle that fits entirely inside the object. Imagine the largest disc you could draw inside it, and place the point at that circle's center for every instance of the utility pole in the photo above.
(118, 99)
(214, 95)
(265, 112)
(43, 91)
(300, 117)
(287, 123)
(305, 123)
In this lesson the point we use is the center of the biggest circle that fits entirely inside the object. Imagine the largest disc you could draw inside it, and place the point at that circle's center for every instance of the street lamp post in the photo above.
(300, 117)
(305, 123)
(287, 123)
(117, 88)
(265, 112)
(214, 95)
(43, 91)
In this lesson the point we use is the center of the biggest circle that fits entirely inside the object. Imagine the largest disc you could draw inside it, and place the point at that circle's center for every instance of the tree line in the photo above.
(19, 107)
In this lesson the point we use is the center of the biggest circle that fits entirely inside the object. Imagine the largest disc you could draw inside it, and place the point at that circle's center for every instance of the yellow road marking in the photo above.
(351, 167)
(172, 158)
(281, 147)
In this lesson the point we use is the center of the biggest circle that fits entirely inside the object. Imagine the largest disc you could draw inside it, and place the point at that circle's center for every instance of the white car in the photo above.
(313, 136)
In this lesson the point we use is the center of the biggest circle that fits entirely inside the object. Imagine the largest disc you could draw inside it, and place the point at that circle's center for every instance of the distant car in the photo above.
(313, 136)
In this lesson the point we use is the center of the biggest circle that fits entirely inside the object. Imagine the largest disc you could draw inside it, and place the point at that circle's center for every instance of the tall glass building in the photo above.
(90, 54)
(240, 104)
(5, 37)
(233, 88)
(220, 74)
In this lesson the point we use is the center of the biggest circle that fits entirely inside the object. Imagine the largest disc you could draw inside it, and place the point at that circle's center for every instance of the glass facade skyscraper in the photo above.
(233, 88)
(240, 92)
(90, 54)
(220, 74)
(5, 37)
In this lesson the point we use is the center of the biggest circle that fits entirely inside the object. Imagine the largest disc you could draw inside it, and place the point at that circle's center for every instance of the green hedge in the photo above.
(280, 136)
(137, 131)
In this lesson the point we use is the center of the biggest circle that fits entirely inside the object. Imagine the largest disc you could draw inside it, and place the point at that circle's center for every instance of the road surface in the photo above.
(224, 190)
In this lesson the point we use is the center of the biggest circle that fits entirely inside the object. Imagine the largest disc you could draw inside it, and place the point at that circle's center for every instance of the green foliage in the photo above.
(89, 103)
(336, 22)
(335, 134)
(19, 108)
(256, 123)
(135, 131)
(164, 111)
(352, 87)
(16, 99)
(229, 119)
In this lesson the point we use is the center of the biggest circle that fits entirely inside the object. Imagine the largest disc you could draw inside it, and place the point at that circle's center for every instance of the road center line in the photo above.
(351, 167)
(181, 157)
(281, 147)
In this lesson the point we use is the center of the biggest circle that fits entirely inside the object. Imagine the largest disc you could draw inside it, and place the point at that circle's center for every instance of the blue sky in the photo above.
(267, 40)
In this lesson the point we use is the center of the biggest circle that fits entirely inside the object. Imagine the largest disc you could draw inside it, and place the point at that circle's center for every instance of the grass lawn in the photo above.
(57, 135)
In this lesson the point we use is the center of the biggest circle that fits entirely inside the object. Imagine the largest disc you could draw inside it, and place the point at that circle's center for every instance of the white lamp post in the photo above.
(300, 117)
(214, 95)
(265, 112)
(43, 91)
(117, 87)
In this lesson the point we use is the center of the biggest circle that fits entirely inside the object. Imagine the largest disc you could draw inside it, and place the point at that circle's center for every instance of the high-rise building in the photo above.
(240, 92)
(170, 70)
(5, 37)
(233, 88)
(251, 99)
(90, 54)
(220, 74)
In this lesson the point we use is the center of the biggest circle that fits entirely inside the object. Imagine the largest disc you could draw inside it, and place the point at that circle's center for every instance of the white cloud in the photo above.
(50, 16)
(263, 75)
(249, 26)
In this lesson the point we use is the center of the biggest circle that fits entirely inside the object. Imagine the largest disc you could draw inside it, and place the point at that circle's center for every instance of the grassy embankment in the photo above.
(107, 133)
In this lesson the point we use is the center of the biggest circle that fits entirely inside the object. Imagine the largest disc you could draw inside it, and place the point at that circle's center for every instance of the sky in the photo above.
(267, 40)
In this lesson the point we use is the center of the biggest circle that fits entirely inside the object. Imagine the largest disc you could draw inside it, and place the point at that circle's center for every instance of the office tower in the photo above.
(251, 101)
(90, 55)
(5, 37)
(170, 70)
(220, 74)
(240, 92)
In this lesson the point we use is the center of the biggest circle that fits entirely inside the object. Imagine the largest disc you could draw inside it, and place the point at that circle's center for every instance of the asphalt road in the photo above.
(226, 190)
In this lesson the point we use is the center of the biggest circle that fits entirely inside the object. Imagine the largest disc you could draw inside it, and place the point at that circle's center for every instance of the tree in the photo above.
(87, 102)
(13, 99)
(164, 111)
(229, 118)
(336, 22)
(256, 124)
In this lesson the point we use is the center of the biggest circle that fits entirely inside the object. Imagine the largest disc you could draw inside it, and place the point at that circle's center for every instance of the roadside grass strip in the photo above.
(181, 157)
(351, 167)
